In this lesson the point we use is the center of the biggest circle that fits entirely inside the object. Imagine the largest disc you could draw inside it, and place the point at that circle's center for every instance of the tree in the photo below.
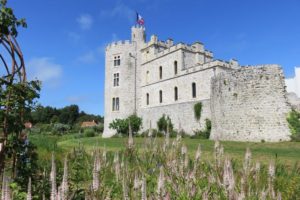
(122, 125)
(17, 95)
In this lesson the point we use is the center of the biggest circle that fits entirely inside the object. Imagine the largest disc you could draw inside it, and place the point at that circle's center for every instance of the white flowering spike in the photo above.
(136, 182)
(117, 165)
(53, 179)
(59, 196)
(198, 153)
(183, 150)
(144, 189)
(125, 189)
(29, 197)
(64, 184)
(150, 130)
(95, 185)
(161, 182)
(104, 155)
(247, 161)
(130, 137)
(228, 176)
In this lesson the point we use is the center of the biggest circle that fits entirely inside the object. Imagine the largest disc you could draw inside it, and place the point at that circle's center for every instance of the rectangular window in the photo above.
(117, 61)
(116, 79)
(115, 104)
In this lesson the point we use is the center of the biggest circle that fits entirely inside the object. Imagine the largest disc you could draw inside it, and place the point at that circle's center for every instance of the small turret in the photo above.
(138, 34)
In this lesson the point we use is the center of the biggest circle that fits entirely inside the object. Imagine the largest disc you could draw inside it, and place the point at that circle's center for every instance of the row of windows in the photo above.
(117, 61)
(194, 94)
(161, 71)
(115, 104)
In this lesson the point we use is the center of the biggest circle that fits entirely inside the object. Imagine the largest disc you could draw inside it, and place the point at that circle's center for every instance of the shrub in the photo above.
(89, 133)
(60, 128)
(198, 110)
(122, 125)
(203, 134)
(99, 128)
(163, 123)
(294, 124)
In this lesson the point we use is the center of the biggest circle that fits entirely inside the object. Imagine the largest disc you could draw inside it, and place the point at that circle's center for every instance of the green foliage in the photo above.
(60, 128)
(89, 132)
(197, 110)
(122, 125)
(67, 115)
(8, 22)
(203, 134)
(294, 124)
(164, 122)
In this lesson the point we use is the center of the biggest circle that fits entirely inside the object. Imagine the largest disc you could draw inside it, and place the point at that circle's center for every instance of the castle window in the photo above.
(194, 90)
(116, 79)
(147, 98)
(117, 61)
(147, 76)
(160, 72)
(175, 67)
(115, 104)
(160, 96)
(175, 93)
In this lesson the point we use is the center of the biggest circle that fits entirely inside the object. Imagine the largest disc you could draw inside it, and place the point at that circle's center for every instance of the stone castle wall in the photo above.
(181, 114)
(250, 104)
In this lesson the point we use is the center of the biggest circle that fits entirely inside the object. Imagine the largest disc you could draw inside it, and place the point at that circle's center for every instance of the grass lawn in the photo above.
(286, 152)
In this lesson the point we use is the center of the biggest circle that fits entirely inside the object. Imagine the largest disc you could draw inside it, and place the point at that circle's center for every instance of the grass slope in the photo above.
(285, 152)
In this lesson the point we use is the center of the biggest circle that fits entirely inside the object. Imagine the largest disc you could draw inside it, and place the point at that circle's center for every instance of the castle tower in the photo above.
(121, 68)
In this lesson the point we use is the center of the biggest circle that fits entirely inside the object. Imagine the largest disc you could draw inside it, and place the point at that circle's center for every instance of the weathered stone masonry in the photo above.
(250, 104)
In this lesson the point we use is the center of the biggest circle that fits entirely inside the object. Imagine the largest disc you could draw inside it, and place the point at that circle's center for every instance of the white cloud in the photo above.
(88, 57)
(45, 70)
(76, 99)
(74, 37)
(85, 21)
(120, 10)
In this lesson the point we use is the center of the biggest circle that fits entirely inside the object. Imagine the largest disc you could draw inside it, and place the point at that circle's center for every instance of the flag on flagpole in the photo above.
(139, 19)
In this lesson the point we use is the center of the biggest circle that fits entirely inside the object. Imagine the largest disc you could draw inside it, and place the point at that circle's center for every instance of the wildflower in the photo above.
(228, 177)
(130, 138)
(198, 153)
(53, 179)
(64, 184)
(29, 197)
(161, 182)
(144, 189)
(247, 161)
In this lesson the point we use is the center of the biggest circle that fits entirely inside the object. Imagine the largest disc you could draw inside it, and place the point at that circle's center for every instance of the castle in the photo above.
(154, 78)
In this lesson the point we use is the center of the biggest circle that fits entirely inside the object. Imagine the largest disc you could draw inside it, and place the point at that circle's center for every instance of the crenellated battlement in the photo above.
(167, 47)
(119, 43)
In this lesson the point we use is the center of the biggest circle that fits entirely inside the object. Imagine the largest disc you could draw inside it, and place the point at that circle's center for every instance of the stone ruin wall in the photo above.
(250, 104)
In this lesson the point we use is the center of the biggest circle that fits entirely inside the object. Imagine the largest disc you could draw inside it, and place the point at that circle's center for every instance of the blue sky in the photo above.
(65, 39)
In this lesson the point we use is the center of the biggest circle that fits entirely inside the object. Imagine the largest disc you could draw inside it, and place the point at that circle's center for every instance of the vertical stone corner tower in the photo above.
(122, 61)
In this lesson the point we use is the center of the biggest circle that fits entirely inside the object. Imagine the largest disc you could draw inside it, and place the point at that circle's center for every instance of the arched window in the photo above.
(147, 98)
(160, 72)
(194, 94)
(175, 67)
(160, 96)
(147, 77)
(175, 93)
